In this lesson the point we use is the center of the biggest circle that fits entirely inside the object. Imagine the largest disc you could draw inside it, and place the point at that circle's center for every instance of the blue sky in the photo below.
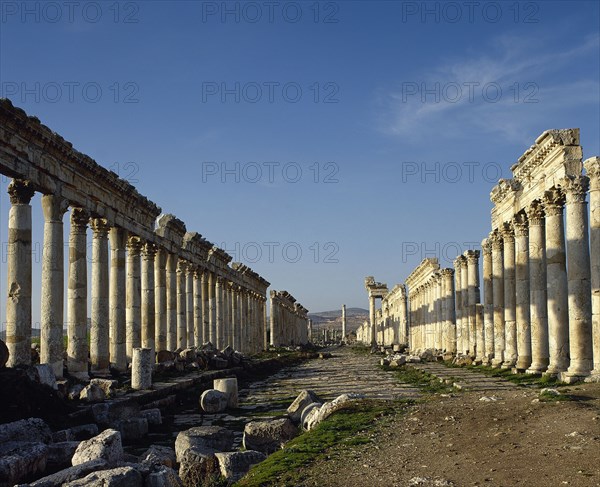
(400, 116)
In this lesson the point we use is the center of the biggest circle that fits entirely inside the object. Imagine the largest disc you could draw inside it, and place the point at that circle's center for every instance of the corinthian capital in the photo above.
(554, 200)
(20, 192)
(575, 187)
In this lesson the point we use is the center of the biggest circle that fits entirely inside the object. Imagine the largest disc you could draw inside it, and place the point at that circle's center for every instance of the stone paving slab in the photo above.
(464, 379)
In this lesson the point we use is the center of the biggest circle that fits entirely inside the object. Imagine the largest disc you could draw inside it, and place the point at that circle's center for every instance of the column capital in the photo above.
(521, 224)
(100, 227)
(508, 232)
(554, 201)
(486, 246)
(535, 213)
(149, 250)
(20, 191)
(592, 169)
(54, 207)
(496, 240)
(182, 265)
(447, 273)
(472, 256)
(134, 245)
(575, 188)
(458, 262)
(79, 219)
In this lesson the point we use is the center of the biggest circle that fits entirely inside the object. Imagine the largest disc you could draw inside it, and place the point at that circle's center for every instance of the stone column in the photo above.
(53, 282)
(510, 297)
(160, 297)
(310, 330)
(133, 311)
(189, 305)
(18, 273)
(226, 313)
(498, 293)
(521, 226)
(99, 333)
(235, 317)
(557, 287)
(343, 322)
(488, 301)
(181, 302)
(148, 299)
(592, 168)
(273, 320)
(372, 321)
(538, 293)
(459, 306)
(171, 302)
(118, 336)
(472, 257)
(466, 318)
(244, 322)
(198, 328)
(579, 277)
(219, 312)
(205, 307)
(141, 368)
(449, 327)
(263, 304)
(77, 345)
(212, 307)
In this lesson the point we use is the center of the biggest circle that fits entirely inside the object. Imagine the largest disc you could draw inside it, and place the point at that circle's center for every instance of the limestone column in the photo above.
(343, 322)
(18, 273)
(459, 307)
(273, 320)
(189, 305)
(488, 301)
(53, 282)
(133, 310)
(226, 313)
(557, 286)
(99, 333)
(148, 298)
(372, 320)
(510, 297)
(472, 257)
(118, 336)
(404, 319)
(579, 277)
(205, 307)
(466, 318)
(77, 345)
(592, 168)
(498, 297)
(521, 226)
(235, 316)
(449, 327)
(212, 307)
(440, 312)
(263, 305)
(181, 302)
(198, 327)
(160, 299)
(244, 322)
(171, 302)
(219, 312)
(538, 293)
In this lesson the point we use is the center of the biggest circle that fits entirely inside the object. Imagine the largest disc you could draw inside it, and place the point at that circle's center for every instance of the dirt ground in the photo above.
(460, 440)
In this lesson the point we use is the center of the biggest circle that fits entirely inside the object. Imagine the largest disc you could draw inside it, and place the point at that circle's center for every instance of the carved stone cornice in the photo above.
(576, 188)
(554, 201)
(503, 188)
(20, 192)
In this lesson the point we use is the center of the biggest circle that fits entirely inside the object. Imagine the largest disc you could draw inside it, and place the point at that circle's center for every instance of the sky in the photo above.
(317, 142)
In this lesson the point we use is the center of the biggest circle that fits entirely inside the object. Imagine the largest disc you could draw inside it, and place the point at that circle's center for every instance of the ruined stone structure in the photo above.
(376, 290)
(154, 284)
(541, 273)
(289, 320)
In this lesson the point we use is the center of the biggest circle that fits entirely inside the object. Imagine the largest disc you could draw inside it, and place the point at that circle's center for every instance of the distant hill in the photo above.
(333, 319)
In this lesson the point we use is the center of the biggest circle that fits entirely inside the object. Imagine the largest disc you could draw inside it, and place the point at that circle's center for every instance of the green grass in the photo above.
(345, 428)
(520, 379)
(425, 382)
(361, 349)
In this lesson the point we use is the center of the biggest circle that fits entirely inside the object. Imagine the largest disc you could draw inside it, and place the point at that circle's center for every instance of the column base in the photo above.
(508, 364)
(496, 363)
(594, 376)
(538, 368)
(523, 363)
(556, 370)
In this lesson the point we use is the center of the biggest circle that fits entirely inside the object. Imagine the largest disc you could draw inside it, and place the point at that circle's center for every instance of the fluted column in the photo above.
(219, 312)
(488, 301)
(449, 327)
(244, 322)
(557, 287)
(77, 345)
(160, 299)
(133, 310)
(235, 340)
(189, 305)
(226, 313)
(579, 277)
(592, 167)
(181, 304)
(212, 308)
(52, 314)
(538, 293)
(498, 296)
(273, 320)
(99, 333)
(205, 307)
(372, 320)
(18, 273)
(510, 298)
(466, 318)
(459, 306)
(198, 328)
(171, 302)
(521, 226)
(118, 336)
(148, 299)
(472, 257)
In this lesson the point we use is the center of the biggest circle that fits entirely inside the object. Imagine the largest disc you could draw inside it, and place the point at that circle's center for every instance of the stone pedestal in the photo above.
(99, 332)
(141, 368)
(579, 276)
(52, 297)
(18, 273)
(77, 347)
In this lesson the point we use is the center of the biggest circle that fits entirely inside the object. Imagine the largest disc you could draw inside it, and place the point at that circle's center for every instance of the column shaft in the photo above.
(181, 303)
(148, 298)
(118, 346)
(498, 283)
(99, 333)
(160, 299)
(592, 167)
(488, 300)
(133, 310)
(510, 297)
(171, 302)
(522, 284)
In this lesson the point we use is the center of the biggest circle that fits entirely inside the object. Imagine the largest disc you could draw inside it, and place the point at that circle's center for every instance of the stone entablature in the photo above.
(376, 290)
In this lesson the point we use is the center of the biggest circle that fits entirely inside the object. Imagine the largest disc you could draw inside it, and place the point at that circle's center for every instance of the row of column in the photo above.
(151, 298)
(544, 283)
(432, 308)
(393, 318)
(289, 322)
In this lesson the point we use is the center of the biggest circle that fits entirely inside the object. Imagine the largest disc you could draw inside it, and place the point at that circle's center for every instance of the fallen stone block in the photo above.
(116, 477)
(107, 446)
(92, 393)
(203, 438)
(159, 455)
(234, 465)
(268, 436)
(60, 453)
(163, 477)
(67, 475)
(19, 460)
(153, 416)
(213, 401)
(303, 399)
(198, 467)
(32, 430)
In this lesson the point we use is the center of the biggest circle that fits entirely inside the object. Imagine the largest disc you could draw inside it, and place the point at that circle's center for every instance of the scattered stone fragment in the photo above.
(213, 401)
(305, 398)
(107, 446)
(234, 465)
(268, 436)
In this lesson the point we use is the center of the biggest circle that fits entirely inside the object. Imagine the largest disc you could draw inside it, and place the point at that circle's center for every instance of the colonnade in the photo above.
(289, 322)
